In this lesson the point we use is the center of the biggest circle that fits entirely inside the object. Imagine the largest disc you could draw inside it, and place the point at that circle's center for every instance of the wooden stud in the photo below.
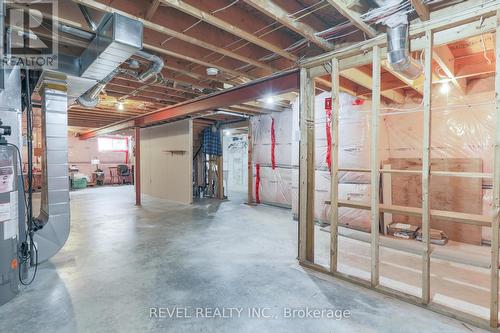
(496, 190)
(334, 184)
(387, 195)
(220, 178)
(250, 164)
(374, 164)
(426, 167)
(137, 166)
(306, 168)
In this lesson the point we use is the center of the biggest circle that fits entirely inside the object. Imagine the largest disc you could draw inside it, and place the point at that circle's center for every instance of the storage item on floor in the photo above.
(402, 230)
(437, 237)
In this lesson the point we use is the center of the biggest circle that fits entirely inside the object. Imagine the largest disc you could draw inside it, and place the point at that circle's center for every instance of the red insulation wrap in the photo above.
(328, 110)
(257, 182)
(273, 145)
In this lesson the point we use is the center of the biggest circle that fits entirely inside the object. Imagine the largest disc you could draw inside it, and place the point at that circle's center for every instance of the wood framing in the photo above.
(426, 217)
(137, 167)
(221, 24)
(496, 189)
(306, 168)
(374, 164)
(353, 16)
(250, 164)
(274, 11)
(448, 26)
(421, 9)
(334, 160)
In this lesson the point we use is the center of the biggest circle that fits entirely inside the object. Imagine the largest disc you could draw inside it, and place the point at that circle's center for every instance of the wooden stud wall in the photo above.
(334, 184)
(306, 180)
(496, 190)
(375, 166)
(306, 168)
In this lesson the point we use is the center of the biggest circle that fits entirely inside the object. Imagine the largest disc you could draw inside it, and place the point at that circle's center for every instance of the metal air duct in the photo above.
(398, 42)
(117, 39)
(54, 218)
(398, 54)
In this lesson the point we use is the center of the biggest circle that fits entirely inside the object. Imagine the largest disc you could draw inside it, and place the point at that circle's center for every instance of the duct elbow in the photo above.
(88, 102)
(398, 52)
(408, 67)
(154, 69)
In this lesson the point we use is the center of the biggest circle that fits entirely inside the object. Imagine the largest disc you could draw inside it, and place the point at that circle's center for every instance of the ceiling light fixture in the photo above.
(120, 106)
(445, 88)
(269, 100)
(212, 71)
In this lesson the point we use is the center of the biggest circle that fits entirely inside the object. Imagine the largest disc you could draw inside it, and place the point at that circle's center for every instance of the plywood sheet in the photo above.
(446, 193)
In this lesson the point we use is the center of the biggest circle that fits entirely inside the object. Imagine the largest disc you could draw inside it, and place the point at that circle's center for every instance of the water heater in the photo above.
(9, 222)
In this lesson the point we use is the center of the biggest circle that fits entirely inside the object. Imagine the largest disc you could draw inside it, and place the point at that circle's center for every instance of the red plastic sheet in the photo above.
(257, 182)
(328, 110)
(273, 145)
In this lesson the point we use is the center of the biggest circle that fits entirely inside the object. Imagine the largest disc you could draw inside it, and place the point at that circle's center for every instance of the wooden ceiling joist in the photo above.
(365, 80)
(446, 61)
(153, 7)
(421, 9)
(170, 32)
(221, 24)
(277, 13)
(416, 85)
(353, 16)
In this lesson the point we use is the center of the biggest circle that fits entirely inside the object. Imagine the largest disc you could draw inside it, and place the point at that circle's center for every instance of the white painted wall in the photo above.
(166, 161)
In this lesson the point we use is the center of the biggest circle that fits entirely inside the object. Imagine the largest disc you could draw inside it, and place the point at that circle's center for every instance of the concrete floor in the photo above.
(121, 260)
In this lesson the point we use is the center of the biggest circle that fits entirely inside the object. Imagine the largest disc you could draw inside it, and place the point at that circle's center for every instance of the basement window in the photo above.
(112, 144)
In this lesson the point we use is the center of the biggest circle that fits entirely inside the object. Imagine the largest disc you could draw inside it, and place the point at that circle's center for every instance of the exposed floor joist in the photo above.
(353, 16)
(274, 11)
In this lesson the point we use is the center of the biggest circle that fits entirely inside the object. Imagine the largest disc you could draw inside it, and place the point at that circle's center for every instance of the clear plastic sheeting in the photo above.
(275, 185)
(462, 127)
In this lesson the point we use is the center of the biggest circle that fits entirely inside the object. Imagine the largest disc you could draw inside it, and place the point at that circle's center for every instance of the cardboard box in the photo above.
(402, 230)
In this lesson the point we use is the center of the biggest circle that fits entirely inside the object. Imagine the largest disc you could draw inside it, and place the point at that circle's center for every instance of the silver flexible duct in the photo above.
(155, 68)
(398, 53)
(91, 98)
(398, 42)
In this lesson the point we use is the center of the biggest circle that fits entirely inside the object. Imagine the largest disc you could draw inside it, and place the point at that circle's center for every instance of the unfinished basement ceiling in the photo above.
(243, 39)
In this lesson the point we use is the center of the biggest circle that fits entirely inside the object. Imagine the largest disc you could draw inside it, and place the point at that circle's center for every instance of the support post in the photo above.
(374, 169)
(220, 178)
(137, 166)
(250, 164)
(306, 168)
(426, 167)
(334, 160)
(496, 190)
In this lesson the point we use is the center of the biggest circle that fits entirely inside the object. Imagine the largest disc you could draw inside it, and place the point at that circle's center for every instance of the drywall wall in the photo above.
(81, 152)
(235, 152)
(166, 161)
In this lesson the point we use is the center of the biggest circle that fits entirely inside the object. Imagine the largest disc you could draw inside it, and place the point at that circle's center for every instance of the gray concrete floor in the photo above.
(121, 260)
